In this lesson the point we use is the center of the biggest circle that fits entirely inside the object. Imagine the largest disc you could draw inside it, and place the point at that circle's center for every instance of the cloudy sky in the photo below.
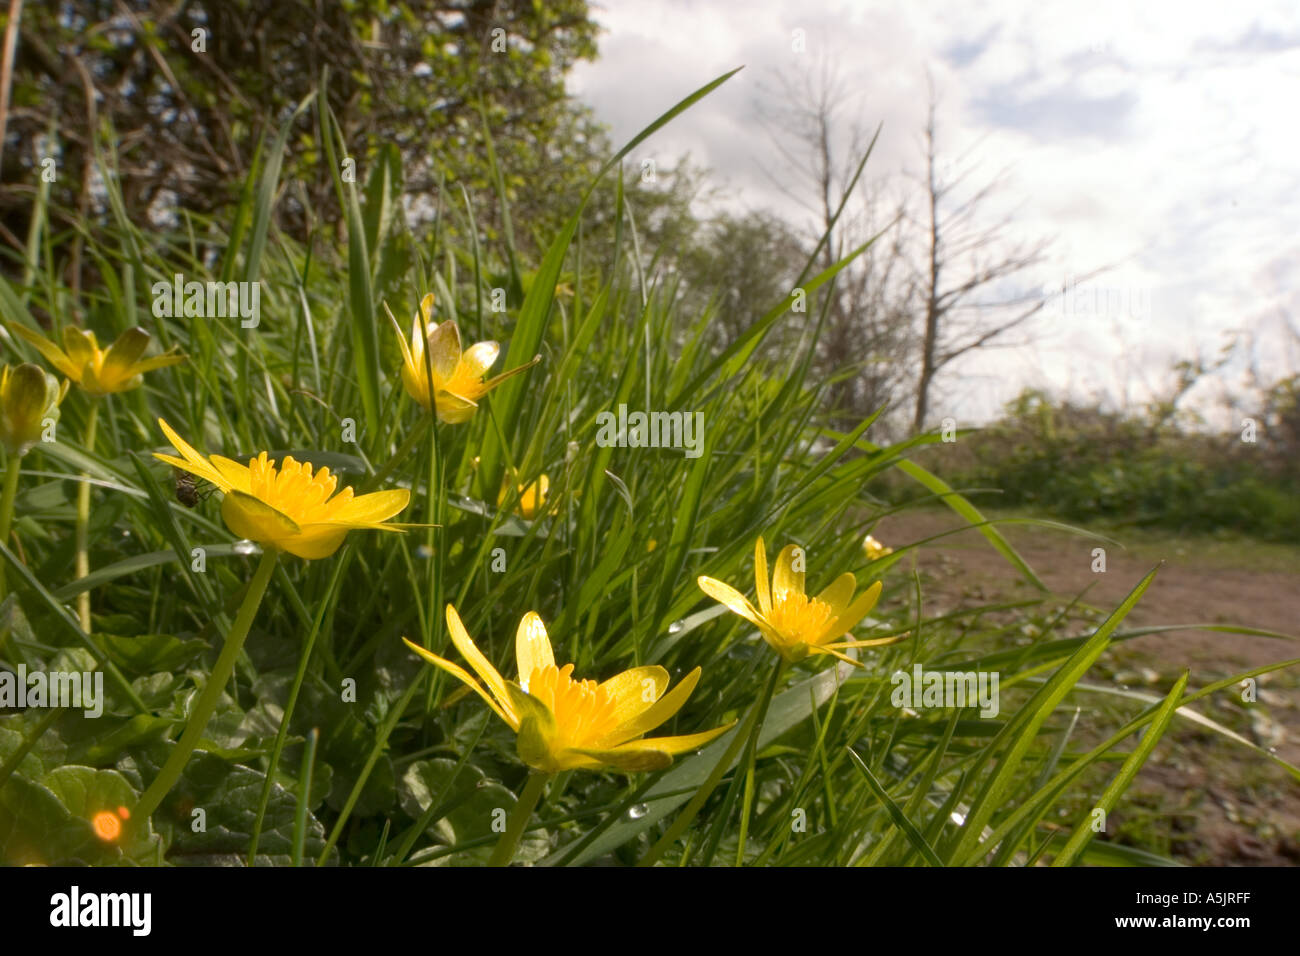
(1156, 139)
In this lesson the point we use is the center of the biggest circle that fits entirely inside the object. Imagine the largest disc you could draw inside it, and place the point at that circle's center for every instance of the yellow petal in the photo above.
(732, 598)
(839, 593)
(785, 577)
(315, 541)
(478, 358)
(194, 462)
(482, 666)
(233, 474)
(535, 739)
(374, 507)
(654, 715)
(170, 357)
(80, 346)
(852, 615)
(634, 692)
(444, 350)
(494, 382)
(53, 354)
(834, 653)
(633, 760)
(253, 518)
(454, 409)
(874, 642)
(122, 355)
(458, 672)
(426, 307)
(761, 580)
(532, 647)
(667, 746)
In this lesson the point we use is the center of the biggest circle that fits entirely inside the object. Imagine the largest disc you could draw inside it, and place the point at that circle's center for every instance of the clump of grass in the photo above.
(333, 743)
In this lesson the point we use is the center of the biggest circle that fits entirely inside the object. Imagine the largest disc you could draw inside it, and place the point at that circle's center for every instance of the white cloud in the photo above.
(1153, 137)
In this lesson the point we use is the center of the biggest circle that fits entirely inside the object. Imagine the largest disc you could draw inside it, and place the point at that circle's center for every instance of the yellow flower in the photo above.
(117, 368)
(791, 622)
(566, 724)
(531, 496)
(457, 382)
(287, 507)
(874, 549)
(28, 396)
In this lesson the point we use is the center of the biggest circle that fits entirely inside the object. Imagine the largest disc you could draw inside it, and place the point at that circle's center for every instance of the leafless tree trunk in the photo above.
(984, 260)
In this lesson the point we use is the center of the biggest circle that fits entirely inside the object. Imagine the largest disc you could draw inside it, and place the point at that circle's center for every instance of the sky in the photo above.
(1156, 140)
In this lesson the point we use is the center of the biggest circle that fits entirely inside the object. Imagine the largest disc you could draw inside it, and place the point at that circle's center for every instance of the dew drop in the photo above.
(675, 627)
(637, 811)
(958, 818)
(244, 547)
(424, 551)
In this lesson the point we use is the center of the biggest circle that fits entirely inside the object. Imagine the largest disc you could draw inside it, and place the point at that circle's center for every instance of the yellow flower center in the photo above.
(463, 382)
(293, 490)
(584, 712)
(800, 619)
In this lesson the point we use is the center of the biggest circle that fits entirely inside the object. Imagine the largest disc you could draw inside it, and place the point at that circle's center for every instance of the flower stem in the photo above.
(509, 842)
(747, 733)
(207, 701)
(7, 507)
(83, 520)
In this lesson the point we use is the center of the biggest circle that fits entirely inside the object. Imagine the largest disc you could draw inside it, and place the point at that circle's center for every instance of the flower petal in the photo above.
(494, 382)
(726, 594)
(444, 350)
(535, 739)
(634, 692)
(462, 675)
(667, 746)
(120, 358)
(252, 518)
(53, 354)
(654, 715)
(374, 507)
(762, 583)
(315, 541)
(635, 760)
(233, 474)
(171, 357)
(839, 593)
(482, 666)
(785, 577)
(80, 346)
(532, 647)
(479, 357)
(852, 615)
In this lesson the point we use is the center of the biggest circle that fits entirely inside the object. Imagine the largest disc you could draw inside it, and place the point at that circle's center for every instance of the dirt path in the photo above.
(1240, 807)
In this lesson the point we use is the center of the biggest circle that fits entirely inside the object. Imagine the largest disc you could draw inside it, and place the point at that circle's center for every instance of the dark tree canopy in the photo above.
(189, 87)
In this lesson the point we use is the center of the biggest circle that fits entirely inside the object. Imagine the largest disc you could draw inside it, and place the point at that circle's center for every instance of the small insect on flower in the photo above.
(286, 504)
(188, 492)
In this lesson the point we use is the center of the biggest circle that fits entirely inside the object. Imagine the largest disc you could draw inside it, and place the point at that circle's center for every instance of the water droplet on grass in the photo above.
(637, 811)
(244, 547)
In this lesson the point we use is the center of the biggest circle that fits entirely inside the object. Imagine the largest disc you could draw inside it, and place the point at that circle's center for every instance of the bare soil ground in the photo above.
(1202, 798)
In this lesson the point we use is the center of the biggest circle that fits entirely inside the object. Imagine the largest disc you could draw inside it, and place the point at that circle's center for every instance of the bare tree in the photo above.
(969, 311)
(866, 335)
